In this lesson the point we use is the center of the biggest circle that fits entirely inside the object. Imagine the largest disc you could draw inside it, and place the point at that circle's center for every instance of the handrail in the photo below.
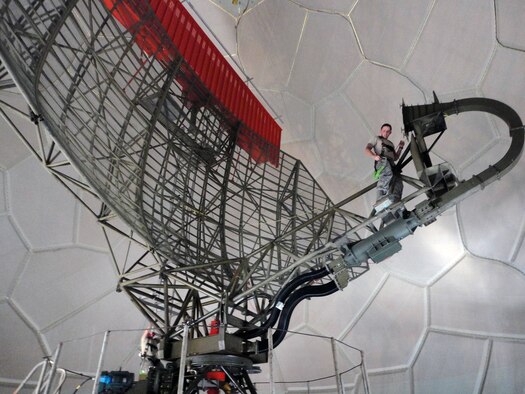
(43, 364)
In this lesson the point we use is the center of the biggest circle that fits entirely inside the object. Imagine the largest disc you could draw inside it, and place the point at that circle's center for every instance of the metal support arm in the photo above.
(421, 119)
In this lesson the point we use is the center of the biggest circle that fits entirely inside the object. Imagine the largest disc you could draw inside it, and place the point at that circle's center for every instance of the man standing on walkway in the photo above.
(382, 150)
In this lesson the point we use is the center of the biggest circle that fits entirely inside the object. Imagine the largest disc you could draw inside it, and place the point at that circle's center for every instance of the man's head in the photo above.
(386, 130)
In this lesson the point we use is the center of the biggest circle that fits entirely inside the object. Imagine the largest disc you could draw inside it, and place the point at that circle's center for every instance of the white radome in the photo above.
(444, 315)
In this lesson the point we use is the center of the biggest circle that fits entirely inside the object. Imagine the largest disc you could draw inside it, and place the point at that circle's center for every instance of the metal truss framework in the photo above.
(129, 142)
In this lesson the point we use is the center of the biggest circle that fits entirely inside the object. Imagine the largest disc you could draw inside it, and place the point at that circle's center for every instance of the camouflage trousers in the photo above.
(389, 183)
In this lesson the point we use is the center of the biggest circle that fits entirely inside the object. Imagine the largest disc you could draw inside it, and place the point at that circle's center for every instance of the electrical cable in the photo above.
(281, 298)
(81, 384)
(294, 300)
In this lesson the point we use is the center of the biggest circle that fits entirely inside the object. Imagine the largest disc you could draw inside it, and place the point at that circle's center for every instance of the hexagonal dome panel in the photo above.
(504, 79)
(389, 382)
(348, 305)
(395, 320)
(258, 37)
(384, 90)
(83, 333)
(12, 151)
(57, 283)
(12, 255)
(296, 116)
(3, 192)
(342, 149)
(382, 26)
(21, 351)
(504, 372)
(35, 211)
(341, 6)
(455, 46)
(481, 218)
(509, 23)
(459, 360)
(467, 136)
(236, 9)
(309, 153)
(327, 55)
(429, 252)
(221, 23)
(463, 298)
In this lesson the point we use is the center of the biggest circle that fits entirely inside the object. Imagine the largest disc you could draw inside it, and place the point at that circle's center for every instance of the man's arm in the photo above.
(399, 149)
(369, 151)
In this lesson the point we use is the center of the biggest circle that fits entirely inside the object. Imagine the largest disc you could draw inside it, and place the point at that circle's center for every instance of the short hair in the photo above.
(386, 124)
